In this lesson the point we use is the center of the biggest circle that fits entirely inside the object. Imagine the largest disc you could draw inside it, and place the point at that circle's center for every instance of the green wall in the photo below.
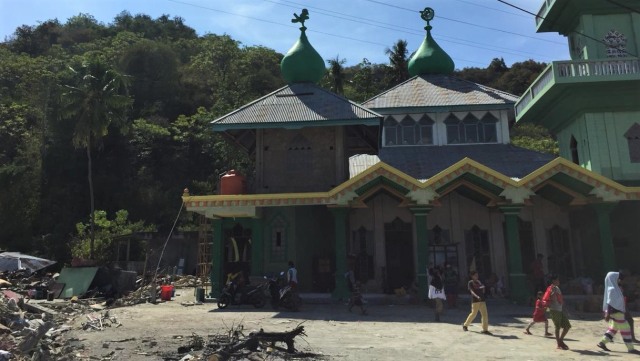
(602, 146)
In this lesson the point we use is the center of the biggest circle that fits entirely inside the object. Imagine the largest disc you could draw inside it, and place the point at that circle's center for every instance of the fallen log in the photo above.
(254, 339)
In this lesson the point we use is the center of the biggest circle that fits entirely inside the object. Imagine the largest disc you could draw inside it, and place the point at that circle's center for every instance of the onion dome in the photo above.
(430, 58)
(302, 64)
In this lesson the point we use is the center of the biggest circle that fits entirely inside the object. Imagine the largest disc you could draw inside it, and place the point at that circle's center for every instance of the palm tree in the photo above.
(96, 99)
(399, 63)
(336, 72)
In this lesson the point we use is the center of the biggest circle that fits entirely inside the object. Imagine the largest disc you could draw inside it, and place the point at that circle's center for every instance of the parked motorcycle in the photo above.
(282, 294)
(249, 295)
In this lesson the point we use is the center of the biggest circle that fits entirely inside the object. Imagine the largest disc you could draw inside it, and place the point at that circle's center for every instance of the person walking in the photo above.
(614, 309)
(477, 291)
(539, 315)
(436, 290)
(292, 276)
(553, 299)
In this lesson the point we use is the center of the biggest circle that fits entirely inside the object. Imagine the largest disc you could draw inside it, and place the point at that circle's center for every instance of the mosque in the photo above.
(424, 173)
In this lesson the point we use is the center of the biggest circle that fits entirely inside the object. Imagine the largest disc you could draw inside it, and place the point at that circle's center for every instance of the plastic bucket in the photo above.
(165, 292)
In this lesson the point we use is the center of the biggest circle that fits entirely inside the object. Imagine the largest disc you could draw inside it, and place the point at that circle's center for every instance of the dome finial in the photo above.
(304, 15)
(302, 64)
(427, 15)
(430, 58)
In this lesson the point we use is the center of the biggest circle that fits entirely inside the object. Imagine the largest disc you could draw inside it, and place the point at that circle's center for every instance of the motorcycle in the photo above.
(249, 295)
(283, 294)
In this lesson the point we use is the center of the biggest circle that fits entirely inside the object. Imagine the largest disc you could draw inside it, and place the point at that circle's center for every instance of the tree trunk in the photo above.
(92, 215)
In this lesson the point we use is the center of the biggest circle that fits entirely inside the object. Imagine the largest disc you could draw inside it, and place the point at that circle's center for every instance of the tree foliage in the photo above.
(107, 231)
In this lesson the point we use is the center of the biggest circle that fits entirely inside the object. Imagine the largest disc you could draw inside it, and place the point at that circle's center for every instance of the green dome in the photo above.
(302, 64)
(430, 58)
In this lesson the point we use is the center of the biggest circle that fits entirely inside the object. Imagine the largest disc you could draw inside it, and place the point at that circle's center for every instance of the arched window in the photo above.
(478, 250)
(425, 130)
(573, 145)
(488, 129)
(390, 131)
(471, 129)
(408, 127)
(408, 131)
(633, 141)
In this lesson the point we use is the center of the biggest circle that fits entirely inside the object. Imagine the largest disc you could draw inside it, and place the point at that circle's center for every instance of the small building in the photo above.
(424, 173)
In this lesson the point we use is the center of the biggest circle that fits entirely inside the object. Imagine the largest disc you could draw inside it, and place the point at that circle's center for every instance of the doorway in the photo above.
(400, 270)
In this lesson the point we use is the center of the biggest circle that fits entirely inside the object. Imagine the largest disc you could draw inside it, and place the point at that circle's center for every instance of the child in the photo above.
(614, 309)
(553, 298)
(539, 316)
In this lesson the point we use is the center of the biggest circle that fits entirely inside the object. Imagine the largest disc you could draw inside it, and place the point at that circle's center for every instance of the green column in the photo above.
(517, 279)
(603, 211)
(217, 256)
(257, 247)
(340, 224)
(422, 238)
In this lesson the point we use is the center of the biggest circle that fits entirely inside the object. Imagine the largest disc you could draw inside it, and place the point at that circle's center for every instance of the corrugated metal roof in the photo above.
(423, 162)
(297, 103)
(438, 90)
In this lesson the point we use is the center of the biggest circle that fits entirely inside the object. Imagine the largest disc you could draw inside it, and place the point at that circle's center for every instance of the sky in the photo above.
(472, 32)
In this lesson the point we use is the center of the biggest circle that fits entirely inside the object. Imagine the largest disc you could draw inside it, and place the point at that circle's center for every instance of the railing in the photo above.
(565, 71)
(535, 89)
(595, 68)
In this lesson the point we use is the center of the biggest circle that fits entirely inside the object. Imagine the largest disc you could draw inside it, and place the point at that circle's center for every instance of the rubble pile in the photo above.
(238, 345)
(31, 331)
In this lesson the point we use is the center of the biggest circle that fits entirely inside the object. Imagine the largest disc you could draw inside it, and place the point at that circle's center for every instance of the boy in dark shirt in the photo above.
(477, 290)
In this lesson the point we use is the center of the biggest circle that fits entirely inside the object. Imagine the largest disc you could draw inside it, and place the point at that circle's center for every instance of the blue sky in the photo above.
(472, 31)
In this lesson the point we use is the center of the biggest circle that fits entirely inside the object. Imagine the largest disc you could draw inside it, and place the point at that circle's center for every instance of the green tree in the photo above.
(534, 137)
(106, 231)
(398, 60)
(20, 167)
(336, 74)
(95, 100)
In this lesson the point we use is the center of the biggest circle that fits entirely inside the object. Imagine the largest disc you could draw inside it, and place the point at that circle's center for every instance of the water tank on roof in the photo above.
(232, 182)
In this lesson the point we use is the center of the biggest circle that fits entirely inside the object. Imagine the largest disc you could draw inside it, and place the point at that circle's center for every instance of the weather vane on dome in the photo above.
(304, 15)
(427, 15)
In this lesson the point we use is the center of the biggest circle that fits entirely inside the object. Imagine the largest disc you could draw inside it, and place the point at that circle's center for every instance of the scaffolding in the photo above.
(205, 237)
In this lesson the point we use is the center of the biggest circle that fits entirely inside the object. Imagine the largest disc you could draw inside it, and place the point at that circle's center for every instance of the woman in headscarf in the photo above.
(614, 308)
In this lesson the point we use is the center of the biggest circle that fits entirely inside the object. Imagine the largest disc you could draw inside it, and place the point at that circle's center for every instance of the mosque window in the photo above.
(471, 129)
(390, 131)
(616, 44)
(478, 250)
(408, 131)
(278, 239)
(559, 248)
(573, 146)
(633, 141)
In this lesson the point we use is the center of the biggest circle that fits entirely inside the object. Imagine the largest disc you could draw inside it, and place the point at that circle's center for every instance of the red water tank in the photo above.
(232, 182)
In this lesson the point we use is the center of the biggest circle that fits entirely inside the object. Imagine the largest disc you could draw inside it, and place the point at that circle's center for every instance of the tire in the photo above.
(223, 301)
(258, 300)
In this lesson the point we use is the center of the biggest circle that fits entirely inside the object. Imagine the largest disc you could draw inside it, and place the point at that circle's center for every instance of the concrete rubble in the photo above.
(33, 325)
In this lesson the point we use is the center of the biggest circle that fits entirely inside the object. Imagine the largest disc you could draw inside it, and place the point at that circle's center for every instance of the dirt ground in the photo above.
(388, 332)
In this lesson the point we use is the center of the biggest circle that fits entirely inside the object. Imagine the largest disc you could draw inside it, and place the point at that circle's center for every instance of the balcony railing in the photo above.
(567, 71)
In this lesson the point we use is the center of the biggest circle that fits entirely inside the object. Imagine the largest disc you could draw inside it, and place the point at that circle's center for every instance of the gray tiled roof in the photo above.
(436, 91)
(295, 104)
(423, 162)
